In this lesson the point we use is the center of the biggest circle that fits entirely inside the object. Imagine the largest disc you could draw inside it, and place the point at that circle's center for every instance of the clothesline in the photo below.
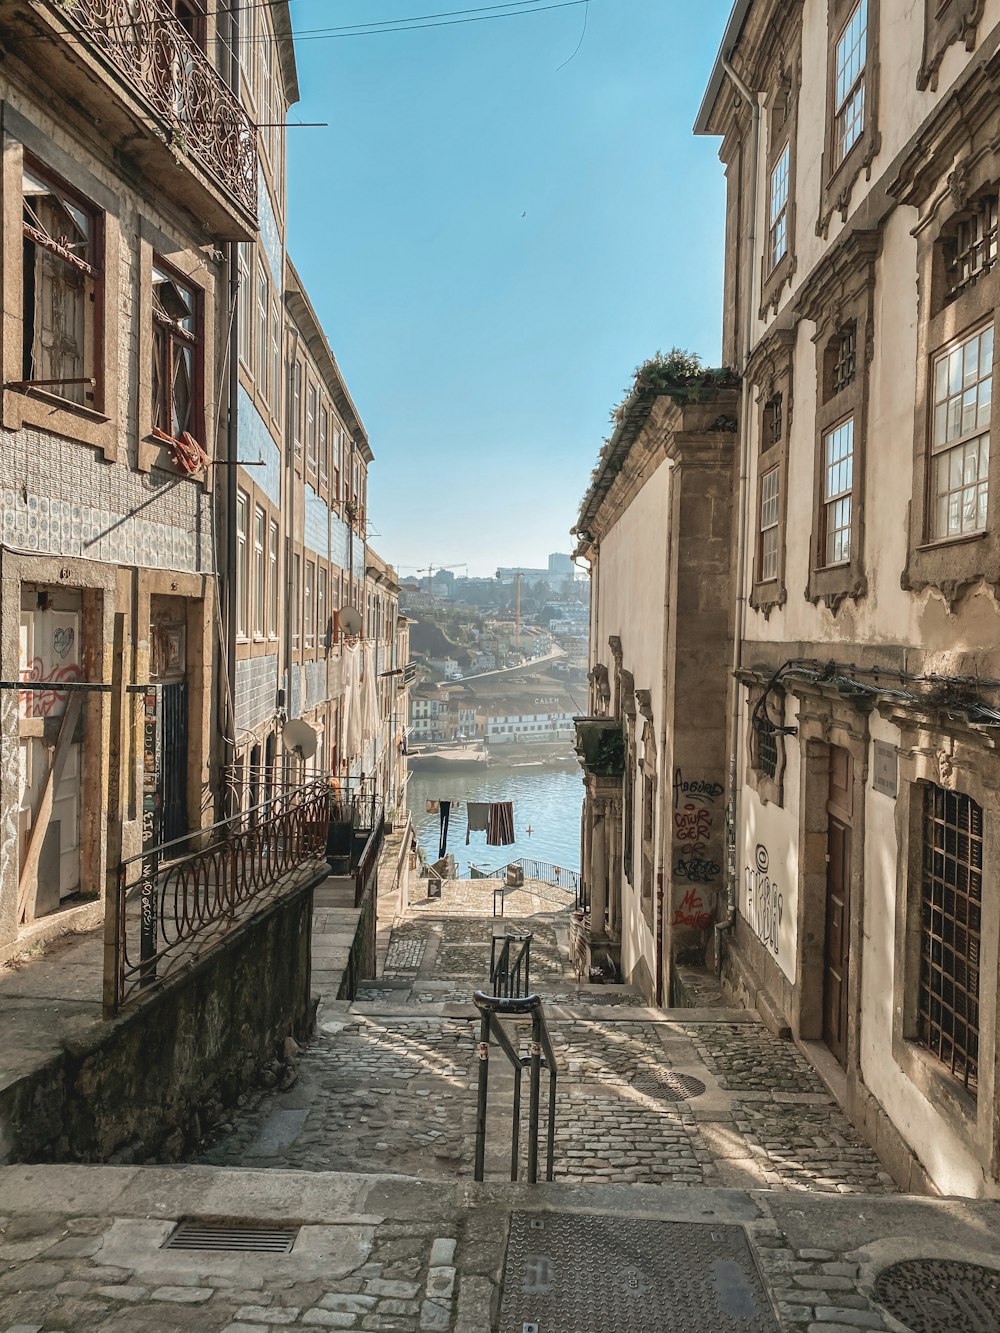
(494, 818)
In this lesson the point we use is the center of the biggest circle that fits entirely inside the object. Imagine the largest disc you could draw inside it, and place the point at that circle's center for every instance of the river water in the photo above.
(547, 796)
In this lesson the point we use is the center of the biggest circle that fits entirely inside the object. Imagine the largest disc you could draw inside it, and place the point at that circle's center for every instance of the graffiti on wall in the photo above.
(764, 900)
(692, 912)
(694, 826)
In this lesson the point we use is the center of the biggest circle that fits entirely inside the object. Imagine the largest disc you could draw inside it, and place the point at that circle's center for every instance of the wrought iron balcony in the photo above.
(194, 111)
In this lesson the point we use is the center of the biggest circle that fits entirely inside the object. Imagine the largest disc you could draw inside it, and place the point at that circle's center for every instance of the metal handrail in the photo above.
(511, 980)
(494, 1008)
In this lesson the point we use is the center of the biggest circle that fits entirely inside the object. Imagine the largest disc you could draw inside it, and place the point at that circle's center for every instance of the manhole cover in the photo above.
(668, 1086)
(233, 1236)
(931, 1295)
(586, 1274)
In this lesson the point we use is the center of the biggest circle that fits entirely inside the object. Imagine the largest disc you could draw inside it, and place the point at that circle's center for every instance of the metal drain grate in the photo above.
(647, 1275)
(931, 1295)
(667, 1085)
(232, 1236)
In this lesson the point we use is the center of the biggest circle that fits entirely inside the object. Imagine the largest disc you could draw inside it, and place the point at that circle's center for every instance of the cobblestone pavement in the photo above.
(389, 1083)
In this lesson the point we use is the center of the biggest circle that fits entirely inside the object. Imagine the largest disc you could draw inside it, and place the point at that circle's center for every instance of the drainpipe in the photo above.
(228, 708)
(752, 101)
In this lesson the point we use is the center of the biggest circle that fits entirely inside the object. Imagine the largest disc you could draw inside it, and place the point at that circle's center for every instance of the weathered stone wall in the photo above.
(149, 1084)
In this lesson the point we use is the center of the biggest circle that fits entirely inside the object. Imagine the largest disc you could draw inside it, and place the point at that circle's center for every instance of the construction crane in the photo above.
(429, 571)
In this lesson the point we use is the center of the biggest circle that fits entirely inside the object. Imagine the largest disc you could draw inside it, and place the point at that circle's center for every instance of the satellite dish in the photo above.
(349, 620)
(299, 738)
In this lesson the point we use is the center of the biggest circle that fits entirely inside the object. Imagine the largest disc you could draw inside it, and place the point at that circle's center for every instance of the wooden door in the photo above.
(836, 945)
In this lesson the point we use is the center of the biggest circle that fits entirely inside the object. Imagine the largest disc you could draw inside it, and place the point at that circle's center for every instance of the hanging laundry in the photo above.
(431, 807)
(500, 832)
(479, 818)
(445, 815)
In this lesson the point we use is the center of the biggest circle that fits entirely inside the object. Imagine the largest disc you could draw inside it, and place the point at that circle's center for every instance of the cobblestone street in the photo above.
(389, 1082)
(697, 1120)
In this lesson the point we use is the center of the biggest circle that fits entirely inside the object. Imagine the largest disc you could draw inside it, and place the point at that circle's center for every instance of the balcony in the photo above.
(150, 90)
(600, 746)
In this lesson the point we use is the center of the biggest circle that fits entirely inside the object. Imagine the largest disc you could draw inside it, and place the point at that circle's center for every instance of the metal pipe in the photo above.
(753, 102)
(482, 1094)
(550, 1159)
(515, 1133)
(533, 1097)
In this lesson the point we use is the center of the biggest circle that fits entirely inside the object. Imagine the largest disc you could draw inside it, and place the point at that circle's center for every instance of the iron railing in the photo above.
(145, 44)
(544, 871)
(493, 1009)
(178, 900)
(510, 969)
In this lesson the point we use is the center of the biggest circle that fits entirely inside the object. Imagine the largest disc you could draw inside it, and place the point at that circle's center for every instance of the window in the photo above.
(175, 370)
(259, 571)
(844, 358)
(838, 484)
(778, 211)
(308, 605)
(297, 408)
(272, 574)
(263, 307)
(61, 291)
(311, 426)
(321, 619)
(242, 525)
(245, 299)
(324, 442)
(338, 461)
(276, 376)
(769, 516)
(950, 925)
(971, 250)
(773, 422)
(296, 608)
(849, 97)
(960, 436)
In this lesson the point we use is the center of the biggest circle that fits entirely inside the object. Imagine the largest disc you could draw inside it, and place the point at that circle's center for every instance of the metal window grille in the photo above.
(973, 252)
(846, 365)
(773, 422)
(950, 925)
(767, 748)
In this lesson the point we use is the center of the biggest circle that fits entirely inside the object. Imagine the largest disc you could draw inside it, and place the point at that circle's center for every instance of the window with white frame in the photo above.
(259, 571)
(297, 408)
(311, 427)
(960, 436)
(262, 361)
(770, 485)
(272, 576)
(778, 207)
(838, 484)
(176, 353)
(245, 300)
(309, 605)
(276, 376)
(321, 608)
(849, 91)
(296, 608)
(242, 561)
(324, 441)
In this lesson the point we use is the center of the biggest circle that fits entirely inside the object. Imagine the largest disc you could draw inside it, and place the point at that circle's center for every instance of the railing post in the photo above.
(515, 1133)
(483, 1092)
(549, 1165)
(533, 1096)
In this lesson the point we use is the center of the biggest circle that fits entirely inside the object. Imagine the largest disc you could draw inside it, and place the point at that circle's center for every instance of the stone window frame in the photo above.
(770, 371)
(156, 247)
(782, 111)
(841, 293)
(946, 22)
(98, 425)
(952, 566)
(770, 788)
(839, 176)
(938, 752)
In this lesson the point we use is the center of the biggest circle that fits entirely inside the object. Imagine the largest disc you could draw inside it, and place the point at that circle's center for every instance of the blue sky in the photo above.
(493, 244)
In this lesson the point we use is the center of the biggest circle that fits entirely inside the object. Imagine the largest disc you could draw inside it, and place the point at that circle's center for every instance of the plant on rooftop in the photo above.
(678, 374)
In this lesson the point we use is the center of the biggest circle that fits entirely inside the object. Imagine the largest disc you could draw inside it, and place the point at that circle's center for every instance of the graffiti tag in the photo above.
(696, 789)
(692, 912)
(692, 827)
(765, 902)
(45, 703)
(697, 870)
